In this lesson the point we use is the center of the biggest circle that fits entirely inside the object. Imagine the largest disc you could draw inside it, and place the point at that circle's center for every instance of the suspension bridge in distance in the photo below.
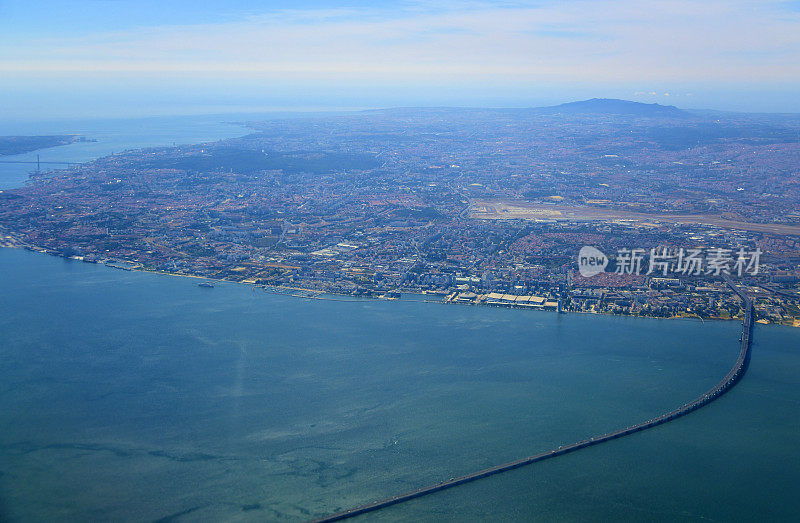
(38, 162)
(724, 385)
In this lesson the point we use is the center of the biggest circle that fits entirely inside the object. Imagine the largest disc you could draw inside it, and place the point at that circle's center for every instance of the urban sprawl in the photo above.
(470, 206)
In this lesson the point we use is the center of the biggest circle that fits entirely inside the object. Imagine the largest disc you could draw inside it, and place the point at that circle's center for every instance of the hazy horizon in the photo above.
(237, 114)
(123, 59)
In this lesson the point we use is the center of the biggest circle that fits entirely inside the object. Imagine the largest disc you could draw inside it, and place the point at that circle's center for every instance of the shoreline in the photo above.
(332, 296)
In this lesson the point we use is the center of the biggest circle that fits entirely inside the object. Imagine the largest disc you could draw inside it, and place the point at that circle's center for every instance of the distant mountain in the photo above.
(595, 106)
(616, 107)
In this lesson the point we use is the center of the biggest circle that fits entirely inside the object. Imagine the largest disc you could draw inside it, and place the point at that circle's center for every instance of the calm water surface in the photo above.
(116, 135)
(135, 396)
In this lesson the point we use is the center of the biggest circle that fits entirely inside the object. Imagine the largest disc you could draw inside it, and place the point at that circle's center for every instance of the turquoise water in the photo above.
(135, 396)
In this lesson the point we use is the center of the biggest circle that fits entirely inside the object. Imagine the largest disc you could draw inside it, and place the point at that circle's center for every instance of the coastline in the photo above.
(213, 341)
(316, 294)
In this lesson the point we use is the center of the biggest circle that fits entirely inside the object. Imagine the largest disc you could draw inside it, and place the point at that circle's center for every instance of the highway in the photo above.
(724, 385)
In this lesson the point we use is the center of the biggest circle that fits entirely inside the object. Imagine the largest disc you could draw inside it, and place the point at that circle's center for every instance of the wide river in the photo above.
(137, 396)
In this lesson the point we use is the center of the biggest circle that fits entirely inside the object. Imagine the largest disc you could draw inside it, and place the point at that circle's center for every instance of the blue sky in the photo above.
(120, 58)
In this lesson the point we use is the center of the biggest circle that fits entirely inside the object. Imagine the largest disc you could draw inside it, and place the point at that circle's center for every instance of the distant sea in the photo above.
(116, 135)
(132, 396)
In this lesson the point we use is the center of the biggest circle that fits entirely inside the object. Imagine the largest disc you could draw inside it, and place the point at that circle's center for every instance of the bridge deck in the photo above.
(724, 385)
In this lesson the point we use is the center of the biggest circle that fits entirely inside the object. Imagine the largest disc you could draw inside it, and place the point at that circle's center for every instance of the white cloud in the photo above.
(580, 40)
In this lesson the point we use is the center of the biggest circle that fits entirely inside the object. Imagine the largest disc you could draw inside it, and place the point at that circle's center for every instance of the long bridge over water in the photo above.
(724, 385)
